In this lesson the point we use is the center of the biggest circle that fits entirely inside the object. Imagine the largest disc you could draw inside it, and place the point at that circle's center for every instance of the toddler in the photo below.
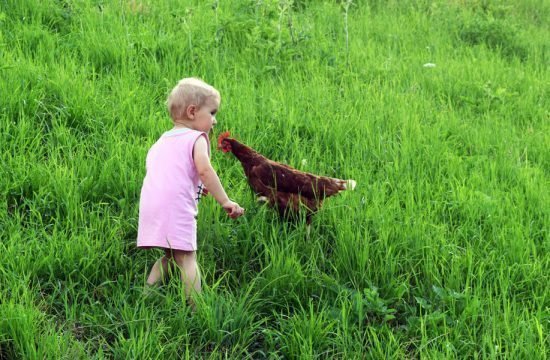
(178, 170)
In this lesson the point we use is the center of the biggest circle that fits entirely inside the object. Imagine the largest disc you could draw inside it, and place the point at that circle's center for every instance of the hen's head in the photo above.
(223, 144)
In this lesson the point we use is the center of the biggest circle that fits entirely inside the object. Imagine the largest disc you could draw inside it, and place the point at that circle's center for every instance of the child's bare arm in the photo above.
(211, 180)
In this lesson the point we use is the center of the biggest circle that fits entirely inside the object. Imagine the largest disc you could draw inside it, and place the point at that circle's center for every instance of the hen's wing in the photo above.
(257, 183)
(283, 178)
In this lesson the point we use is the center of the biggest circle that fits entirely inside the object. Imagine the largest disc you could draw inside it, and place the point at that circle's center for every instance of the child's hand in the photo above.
(233, 209)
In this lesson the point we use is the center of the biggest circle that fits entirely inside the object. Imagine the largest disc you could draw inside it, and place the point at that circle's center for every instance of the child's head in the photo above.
(189, 91)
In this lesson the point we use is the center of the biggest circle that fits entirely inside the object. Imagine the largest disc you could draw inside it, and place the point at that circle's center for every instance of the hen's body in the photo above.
(287, 189)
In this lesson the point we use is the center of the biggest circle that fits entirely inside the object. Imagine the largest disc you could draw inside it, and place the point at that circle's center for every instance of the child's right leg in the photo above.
(190, 275)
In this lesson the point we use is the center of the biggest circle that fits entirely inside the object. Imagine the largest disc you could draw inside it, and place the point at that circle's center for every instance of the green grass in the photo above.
(441, 252)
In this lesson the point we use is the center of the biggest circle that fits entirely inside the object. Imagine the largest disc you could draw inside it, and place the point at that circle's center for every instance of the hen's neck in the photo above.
(244, 153)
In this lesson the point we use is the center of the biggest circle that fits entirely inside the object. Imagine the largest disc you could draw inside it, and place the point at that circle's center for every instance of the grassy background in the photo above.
(441, 252)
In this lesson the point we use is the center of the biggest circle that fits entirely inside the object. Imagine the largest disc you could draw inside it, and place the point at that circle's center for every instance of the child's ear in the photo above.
(190, 111)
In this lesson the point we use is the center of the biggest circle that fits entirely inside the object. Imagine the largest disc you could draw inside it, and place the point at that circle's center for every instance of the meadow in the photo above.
(438, 109)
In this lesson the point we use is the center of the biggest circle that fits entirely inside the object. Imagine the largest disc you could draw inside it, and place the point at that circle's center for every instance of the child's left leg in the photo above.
(160, 268)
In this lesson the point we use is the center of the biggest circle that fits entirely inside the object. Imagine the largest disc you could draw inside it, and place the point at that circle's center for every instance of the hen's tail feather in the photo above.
(350, 184)
(346, 184)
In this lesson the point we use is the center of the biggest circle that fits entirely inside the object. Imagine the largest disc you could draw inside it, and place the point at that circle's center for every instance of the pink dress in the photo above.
(170, 193)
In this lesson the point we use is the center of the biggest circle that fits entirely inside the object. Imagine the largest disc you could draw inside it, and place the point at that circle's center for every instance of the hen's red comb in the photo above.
(222, 137)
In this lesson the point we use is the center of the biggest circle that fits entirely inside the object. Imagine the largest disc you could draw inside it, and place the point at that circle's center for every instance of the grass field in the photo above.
(442, 251)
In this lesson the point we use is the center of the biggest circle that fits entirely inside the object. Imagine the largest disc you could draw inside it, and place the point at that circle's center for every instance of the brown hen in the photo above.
(285, 188)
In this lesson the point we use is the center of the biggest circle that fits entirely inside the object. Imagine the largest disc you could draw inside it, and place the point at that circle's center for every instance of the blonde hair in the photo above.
(189, 91)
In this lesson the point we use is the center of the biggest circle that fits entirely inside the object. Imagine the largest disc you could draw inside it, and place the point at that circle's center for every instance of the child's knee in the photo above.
(184, 258)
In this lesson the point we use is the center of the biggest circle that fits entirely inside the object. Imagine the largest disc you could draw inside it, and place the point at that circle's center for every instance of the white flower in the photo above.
(429, 65)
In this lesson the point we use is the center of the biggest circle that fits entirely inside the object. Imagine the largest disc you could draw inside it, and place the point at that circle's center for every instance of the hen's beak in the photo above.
(224, 147)
(222, 137)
